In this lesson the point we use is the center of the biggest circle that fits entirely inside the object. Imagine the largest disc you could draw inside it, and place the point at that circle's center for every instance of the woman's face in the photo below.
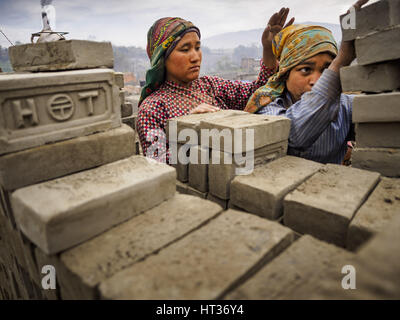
(303, 76)
(183, 64)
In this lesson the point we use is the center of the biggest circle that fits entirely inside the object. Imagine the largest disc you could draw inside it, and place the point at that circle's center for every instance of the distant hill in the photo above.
(231, 40)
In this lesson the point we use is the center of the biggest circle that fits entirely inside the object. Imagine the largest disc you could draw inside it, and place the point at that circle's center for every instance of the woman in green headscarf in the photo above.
(173, 86)
(307, 90)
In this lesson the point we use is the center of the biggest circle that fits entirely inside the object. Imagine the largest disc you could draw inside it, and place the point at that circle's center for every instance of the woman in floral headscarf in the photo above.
(307, 90)
(173, 87)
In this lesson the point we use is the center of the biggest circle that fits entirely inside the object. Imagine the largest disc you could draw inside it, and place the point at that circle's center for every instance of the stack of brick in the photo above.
(224, 144)
(61, 114)
(376, 113)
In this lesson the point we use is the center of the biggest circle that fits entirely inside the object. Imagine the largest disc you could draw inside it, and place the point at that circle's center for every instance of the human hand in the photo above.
(275, 24)
(346, 52)
(204, 108)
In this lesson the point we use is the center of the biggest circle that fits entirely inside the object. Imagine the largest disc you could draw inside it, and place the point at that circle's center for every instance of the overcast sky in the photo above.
(125, 22)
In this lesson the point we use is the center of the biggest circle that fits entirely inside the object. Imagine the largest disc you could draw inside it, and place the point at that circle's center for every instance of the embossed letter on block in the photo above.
(40, 108)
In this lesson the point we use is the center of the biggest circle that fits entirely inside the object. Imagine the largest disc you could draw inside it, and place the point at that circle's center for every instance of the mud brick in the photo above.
(324, 205)
(182, 169)
(192, 121)
(220, 174)
(295, 272)
(40, 108)
(377, 108)
(61, 213)
(267, 130)
(198, 172)
(378, 135)
(126, 109)
(262, 191)
(47, 162)
(374, 215)
(206, 263)
(379, 46)
(134, 100)
(119, 79)
(138, 238)
(376, 16)
(223, 203)
(61, 55)
(386, 161)
(372, 78)
(130, 121)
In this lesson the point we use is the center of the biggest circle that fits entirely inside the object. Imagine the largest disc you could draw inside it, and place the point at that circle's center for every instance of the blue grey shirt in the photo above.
(321, 121)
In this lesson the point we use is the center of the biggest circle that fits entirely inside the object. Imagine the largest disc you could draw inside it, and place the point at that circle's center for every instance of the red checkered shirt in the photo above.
(173, 100)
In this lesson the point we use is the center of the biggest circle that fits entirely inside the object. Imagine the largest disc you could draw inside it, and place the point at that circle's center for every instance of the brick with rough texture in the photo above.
(40, 108)
(379, 46)
(378, 135)
(220, 174)
(61, 55)
(386, 161)
(372, 78)
(374, 215)
(267, 130)
(262, 191)
(324, 205)
(61, 213)
(223, 203)
(377, 108)
(134, 240)
(376, 16)
(51, 161)
(294, 272)
(198, 172)
(204, 264)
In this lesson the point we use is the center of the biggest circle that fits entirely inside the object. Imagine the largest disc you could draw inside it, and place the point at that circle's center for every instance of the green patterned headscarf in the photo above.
(291, 46)
(162, 38)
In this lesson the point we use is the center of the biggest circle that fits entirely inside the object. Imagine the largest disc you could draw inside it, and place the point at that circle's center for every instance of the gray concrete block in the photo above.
(374, 215)
(40, 108)
(205, 264)
(376, 16)
(294, 272)
(51, 161)
(138, 238)
(61, 213)
(386, 161)
(262, 191)
(119, 79)
(267, 130)
(379, 46)
(223, 203)
(192, 121)
(377, 108)
(61, 55)
(378, 135)
(198, 172)
(372, 78)
(126, 109)
(182, 169)
(220, 174)
(324, 205)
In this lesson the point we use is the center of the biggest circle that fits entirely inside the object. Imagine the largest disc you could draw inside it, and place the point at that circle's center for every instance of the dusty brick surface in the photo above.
(221, 202)
(267, 130)
(378, 135)
(58, 214)
(372, 78)
(204, 264)
(65, 157)
(61, 55)
(374, 215)
(294, 272)
(198, 172)
(383, 160)
(324, 205)
(137, 238)
(365, 108)
(379, 46)
(376, 16)
(220, 175)
(262, 191)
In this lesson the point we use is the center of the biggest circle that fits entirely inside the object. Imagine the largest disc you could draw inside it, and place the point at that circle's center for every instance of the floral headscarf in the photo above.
(291, 46)
(162, 38)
